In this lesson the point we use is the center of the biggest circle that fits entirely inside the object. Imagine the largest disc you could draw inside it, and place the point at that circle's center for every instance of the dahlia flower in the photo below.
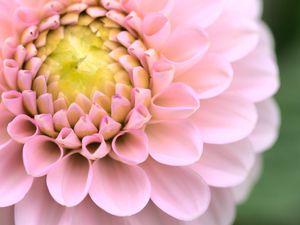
(132, 111)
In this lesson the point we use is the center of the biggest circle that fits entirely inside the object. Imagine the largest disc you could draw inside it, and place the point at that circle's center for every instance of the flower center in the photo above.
(80, 60)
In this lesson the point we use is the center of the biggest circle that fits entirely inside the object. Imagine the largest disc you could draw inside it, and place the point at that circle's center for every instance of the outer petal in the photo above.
(242, 191)
(174, 143)
(178, 191)
(166, 105)
(266, 131)
(69, 181)
(251, 8)
(5, 118)
(119, 189)
(131, 146)
(225, 119)
(233, 36)
(196, 12)
(225, 165)
(221, 210)
(40, 155)
(209, 77)
(7, 216)
(38, 207)
(14, 181)
(257, 81)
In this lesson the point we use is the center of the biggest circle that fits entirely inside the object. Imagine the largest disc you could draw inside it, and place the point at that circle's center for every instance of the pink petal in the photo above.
(225, 165)
(156, 29)
(39, 207)
(225, 119)
(166, 105)
(94, 147)
(131, 146)
(197, 12)
(209, 77)
(266, 131)
(68, 139)
(242, 191)
(5, 118)
(126, 194)
(40, 155)
(22, 129)
(221, 210)
(178, 191)
(251, 8)
(7, 216)
(13, 102)
(14, 181)
(69, 181)
(257, 81)
(233, 36)
(175, 143)
(148, 6)
(192, 44)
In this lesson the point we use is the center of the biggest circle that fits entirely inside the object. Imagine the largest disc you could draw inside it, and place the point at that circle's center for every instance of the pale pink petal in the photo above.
(13, 102)
(124, 195)
(192, 43)
(253, 80)
(225, 119)
(40, 155)
(251, 8)
(233, 36)
(167, 105)
(196, 12)
(148, 6)
(68, 139)
(14, 181)
(94, 147)
(69, 181)
(22, 128)
(170, 186)
(156, 29)
(7, 216)
(225, 165)
(242, 191)
(131, 146)
(5, 118)
(221, 210)
(38, 207)
(209, 77)
(175, 143)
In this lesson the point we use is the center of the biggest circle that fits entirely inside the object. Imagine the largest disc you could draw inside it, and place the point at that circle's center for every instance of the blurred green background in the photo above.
(276, 198)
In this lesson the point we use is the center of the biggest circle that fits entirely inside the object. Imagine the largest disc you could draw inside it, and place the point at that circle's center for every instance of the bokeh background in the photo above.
(276, 198)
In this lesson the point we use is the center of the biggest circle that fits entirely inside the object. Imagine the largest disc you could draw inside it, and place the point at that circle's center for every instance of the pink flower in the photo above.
(132, 111)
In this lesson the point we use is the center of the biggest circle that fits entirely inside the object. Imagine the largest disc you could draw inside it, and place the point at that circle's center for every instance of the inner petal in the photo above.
(80, 60)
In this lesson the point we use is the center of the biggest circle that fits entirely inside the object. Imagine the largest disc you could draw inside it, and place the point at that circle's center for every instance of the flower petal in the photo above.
(124, 195)
(242, 191)
(221, 210)
(196, 12)
(38, 207)
(5, 118)
(225, 165)
(266, 131)
(178, 191)
(7, 216)
(175, 143)
(209, 77)
(40, 155)
(166, 105)
(233, 36)
(22, 128)
(257, 81)
(69, 181)
(225, 119)
(14, 181)
(131, 146)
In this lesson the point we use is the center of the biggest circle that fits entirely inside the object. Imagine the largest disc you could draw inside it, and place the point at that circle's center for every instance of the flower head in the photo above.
(132, 111)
